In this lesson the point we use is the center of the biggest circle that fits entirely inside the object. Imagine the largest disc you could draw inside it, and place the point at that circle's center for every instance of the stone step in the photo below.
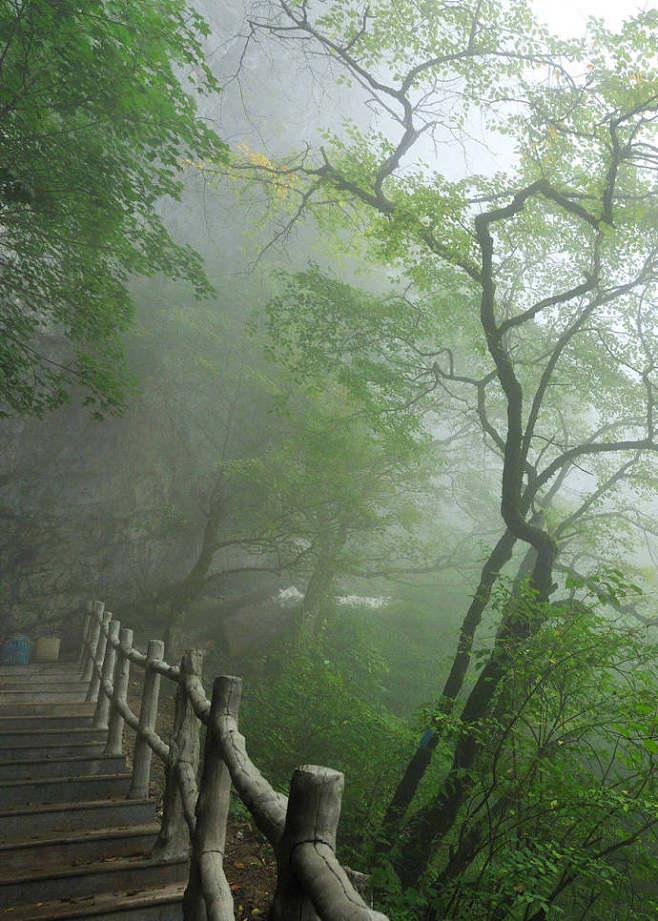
(122, 874)
(67, 672)
(40, 678)
(45, 709)
(80, 717)
(61, 667)
(75, 817)
(45, 768)
(33, 697)
(36, 737)
(71, 848)
(51, 752)
(17, 753)
(14, 793)
(28, 683)
(162, 904)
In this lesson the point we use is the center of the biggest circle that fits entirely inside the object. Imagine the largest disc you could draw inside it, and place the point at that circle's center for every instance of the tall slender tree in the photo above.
(556, 258)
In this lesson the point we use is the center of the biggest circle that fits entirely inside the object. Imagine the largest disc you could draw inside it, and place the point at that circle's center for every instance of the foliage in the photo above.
(520, 314)
(550, 264)
(95, 121)
(335, 473)
(565, 805)
(380, 348)
(306, 485)
(320, 703)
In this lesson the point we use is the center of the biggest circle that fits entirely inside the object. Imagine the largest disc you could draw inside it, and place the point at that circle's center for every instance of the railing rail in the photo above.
(301, 827)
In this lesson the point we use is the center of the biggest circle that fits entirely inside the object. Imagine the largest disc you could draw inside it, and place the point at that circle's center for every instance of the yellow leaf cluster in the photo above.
(283, 181)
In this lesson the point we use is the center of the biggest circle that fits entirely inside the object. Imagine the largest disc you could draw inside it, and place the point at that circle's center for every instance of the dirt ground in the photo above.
(250, 869)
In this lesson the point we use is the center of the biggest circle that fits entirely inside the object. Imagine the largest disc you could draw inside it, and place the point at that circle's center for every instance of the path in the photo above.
(71, 844)
(81, 838)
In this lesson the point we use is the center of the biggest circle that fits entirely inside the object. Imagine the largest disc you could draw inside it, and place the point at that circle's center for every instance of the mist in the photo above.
(328, 352)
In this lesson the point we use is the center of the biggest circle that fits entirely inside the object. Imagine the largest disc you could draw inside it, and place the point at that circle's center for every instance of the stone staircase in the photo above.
(80, 836)
(71, 844)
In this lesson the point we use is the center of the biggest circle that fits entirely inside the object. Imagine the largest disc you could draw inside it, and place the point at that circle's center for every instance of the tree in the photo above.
(348, 493)
(380, 348)
(554, 257)
(305, 485)
(96, 124)
(563, 805)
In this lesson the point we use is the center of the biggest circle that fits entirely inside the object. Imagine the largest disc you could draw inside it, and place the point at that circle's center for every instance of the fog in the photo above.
(329, 349)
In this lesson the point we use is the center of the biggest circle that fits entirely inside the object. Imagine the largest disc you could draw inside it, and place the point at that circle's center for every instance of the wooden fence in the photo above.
(301, 828)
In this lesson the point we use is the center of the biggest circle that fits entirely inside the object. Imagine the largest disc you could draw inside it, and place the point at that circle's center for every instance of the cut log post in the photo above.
(85, 633)
(101, 715)
(92, 640)
(208, 894)
(148, 714)
(267, 807)
(311, 883)
(99, 657)
(114, 744)
(313, 813)
(180, 792)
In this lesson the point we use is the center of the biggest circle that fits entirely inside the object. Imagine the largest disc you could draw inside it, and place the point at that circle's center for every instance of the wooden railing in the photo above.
(301, 827)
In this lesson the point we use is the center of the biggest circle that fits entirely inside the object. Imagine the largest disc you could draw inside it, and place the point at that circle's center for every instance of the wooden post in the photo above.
(184, 745)
(102, 713)
(148, 714)
(92, 640)
(114, 744)
(312, 816)
(99, 657)
(208, 894)
(85, 633)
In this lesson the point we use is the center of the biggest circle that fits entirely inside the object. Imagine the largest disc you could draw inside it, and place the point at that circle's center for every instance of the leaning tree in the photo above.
(551, 263)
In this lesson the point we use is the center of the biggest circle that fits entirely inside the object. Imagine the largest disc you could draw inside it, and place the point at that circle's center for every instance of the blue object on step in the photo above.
(15, 650)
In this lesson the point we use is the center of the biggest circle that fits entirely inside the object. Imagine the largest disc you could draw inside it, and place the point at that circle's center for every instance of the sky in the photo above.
(568, 17)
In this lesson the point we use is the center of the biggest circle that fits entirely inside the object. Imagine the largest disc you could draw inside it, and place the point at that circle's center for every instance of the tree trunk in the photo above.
(321, 582)
(430, 825)
(172, 601)
(420, 761)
